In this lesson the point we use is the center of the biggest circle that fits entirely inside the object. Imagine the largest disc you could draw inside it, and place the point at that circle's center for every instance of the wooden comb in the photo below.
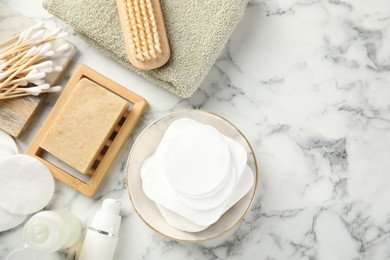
(144, 33)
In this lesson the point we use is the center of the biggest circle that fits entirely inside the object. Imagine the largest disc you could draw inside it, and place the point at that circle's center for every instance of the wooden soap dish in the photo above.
(49, 138)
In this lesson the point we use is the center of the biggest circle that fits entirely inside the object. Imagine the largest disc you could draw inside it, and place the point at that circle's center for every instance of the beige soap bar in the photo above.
(84, 124)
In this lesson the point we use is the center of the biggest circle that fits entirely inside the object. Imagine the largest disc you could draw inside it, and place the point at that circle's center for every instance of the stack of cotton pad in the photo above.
(195, 175)
(26, 185)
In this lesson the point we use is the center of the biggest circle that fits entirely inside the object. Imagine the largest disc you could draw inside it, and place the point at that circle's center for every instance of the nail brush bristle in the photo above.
(144, 33)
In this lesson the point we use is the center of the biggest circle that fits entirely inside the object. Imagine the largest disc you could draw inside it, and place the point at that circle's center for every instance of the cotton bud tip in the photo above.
(31, 51)
(44, 86)
(36, 76)
(38, 26)
(49, 53)
(34, 90)
(58, 68)
(38, 34)
(37, 82)
(63, 47)
(43, 64)
(55, 32)
(62, 35)
(27, 34)
(55, 89)
(45, 47)
(22, 36)
(32, 72)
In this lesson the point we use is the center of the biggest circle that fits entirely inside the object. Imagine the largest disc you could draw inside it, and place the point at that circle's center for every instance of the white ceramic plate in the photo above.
(145, 146)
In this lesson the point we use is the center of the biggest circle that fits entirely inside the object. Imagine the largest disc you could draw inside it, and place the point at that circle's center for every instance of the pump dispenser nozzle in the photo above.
(102, 235)
(111, 206)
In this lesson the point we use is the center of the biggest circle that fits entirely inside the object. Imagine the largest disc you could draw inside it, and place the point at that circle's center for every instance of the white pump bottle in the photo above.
(102, 235)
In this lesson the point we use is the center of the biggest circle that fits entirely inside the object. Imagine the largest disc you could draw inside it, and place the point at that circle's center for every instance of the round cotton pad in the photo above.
(7, 145)
(8, 220)
(239, 160)
(195, 159)
(179, 222)
(158, 189)
(26, 184)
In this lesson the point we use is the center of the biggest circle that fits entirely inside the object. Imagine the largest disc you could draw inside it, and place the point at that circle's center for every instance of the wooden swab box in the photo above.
(86, 129)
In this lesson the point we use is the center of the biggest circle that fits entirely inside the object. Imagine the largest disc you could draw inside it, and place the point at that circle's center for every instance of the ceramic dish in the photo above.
(145, 146)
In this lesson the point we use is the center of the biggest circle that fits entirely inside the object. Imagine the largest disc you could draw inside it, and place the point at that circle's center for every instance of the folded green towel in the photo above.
(197, 31)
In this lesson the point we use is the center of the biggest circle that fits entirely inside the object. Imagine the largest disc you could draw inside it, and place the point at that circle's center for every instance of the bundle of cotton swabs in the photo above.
(26, 59)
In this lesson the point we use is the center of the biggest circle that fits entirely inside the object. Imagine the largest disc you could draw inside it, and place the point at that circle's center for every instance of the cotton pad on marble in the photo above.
(7, 145)
(186, 171)
(27, 185)
(179, 222)
(8, 220)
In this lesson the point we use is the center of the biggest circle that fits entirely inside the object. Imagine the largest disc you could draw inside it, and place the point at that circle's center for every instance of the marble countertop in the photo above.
(308, 83)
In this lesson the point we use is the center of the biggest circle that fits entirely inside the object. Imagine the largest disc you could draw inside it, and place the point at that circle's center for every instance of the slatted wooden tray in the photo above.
(112, 147)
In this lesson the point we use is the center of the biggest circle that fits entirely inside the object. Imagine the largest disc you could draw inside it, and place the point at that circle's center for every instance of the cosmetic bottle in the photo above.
(47, 232)
(50, 231)
(102, 235)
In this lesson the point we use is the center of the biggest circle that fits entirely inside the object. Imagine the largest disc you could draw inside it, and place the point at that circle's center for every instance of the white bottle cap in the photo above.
(111, 206)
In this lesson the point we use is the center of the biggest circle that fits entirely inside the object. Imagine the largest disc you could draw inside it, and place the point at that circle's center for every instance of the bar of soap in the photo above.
(84, 125)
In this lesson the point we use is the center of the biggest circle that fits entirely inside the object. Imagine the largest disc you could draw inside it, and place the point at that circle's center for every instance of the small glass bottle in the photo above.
(50, 231)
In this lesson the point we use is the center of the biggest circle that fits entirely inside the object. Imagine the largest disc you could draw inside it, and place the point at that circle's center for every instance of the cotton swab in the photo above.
(38, 82)
(45, 66)
(35, 91)
(9, 41)
(64, 47)
(32, 76)
(24, 62)
(21, 37)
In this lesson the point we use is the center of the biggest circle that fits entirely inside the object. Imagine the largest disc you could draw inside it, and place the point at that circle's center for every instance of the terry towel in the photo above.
(197, 32)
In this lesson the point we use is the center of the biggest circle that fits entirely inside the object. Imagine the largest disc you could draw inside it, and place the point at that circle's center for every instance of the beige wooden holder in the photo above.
(111, 148)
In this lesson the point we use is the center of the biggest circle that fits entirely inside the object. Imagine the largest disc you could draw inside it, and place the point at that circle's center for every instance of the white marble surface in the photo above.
(308, 82)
